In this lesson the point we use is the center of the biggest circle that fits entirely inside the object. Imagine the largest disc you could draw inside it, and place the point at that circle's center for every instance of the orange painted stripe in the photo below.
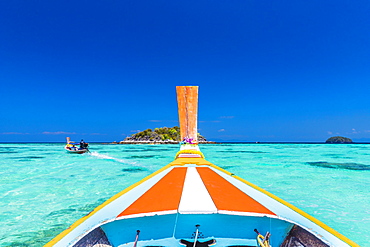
(163, 196)
(228, 197)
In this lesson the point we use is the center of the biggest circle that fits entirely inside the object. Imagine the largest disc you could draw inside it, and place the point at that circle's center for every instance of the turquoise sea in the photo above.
(43, 189)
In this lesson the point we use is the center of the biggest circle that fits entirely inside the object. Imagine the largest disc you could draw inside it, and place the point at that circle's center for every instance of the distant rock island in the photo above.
(162, 135)
(339, 139)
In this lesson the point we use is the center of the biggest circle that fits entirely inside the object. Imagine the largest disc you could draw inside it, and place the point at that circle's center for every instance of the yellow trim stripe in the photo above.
(294, 208)
(83, 219)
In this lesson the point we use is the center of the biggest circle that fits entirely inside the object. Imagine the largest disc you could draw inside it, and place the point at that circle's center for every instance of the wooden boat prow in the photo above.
(192, 202)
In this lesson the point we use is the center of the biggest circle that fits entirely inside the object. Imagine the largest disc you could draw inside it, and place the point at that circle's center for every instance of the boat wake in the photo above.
(107, 157)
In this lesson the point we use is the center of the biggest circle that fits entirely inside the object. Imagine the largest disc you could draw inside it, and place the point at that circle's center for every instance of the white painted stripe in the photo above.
(189, 156)
(195, 198)
(246, 214)
(146, 214)
(189, 147)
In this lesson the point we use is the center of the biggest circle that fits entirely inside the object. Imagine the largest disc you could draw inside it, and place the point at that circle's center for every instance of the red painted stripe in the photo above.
(163, 196)
(228, 197)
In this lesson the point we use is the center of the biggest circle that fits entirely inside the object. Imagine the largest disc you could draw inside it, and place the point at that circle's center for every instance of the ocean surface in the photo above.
(43, 189)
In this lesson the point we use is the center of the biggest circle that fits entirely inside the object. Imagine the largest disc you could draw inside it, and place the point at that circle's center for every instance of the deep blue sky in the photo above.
(267, 70)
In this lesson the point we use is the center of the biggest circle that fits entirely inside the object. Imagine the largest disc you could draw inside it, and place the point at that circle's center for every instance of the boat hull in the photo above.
(76, 151)
(191, 193)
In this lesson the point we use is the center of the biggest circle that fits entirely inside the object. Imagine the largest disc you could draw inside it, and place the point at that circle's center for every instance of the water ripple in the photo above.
(335, 165)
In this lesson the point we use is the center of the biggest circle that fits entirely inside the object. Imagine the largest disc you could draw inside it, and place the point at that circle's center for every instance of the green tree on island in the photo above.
(160, 134)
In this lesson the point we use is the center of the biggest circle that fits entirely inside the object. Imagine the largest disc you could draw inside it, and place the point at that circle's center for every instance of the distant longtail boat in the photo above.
(191, 202)
(70, 147)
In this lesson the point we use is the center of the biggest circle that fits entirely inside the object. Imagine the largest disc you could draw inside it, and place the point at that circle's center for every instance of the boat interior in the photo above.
(185, 229)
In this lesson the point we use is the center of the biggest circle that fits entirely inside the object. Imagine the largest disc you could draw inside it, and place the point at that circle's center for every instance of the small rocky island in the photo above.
(339, 139)
(162, 135)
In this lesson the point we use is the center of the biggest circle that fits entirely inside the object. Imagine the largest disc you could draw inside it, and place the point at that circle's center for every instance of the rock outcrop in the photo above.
(339, 139)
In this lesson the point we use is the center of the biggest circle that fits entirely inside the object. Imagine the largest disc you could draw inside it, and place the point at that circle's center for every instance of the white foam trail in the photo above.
(103, 156)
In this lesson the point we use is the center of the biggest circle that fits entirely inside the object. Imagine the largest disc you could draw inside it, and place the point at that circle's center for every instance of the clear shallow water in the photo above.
(43, 190)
